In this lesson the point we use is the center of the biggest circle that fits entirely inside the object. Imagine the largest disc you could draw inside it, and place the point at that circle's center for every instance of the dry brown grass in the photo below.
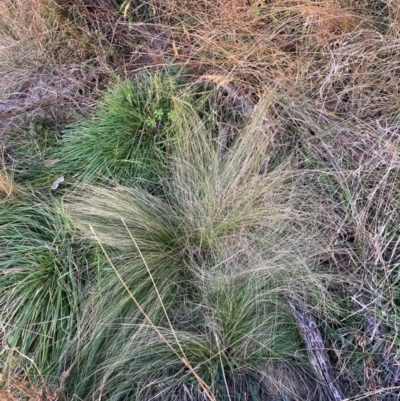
(264, 41)
(46, 63)
(18, 390)
(37, 32)
(6, 185)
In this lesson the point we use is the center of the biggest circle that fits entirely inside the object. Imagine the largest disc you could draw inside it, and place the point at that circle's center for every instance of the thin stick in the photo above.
(316, 350)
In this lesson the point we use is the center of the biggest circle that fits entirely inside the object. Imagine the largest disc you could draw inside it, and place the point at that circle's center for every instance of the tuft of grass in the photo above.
(126, 137)
(224, 245)
(44, 266)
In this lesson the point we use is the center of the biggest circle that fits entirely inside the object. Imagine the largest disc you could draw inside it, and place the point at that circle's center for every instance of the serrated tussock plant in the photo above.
(126, 136)
(44, 264)
(224, 245)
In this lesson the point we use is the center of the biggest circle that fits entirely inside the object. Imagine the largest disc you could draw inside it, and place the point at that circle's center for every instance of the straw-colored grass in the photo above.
(7, 186)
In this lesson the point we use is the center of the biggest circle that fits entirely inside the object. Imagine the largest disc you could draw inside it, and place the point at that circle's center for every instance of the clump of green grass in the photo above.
(44, 264)
(216, 255)
(126, 137)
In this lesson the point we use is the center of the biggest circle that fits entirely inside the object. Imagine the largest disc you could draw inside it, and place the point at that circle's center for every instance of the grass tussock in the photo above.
(44, 266)
(126, 137)
(221, 258)
(263, 171)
